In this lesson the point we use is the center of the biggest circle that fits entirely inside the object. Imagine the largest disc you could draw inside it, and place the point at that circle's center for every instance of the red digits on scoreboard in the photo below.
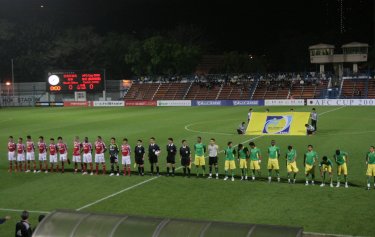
(55, 88)
(70, 87)
(91, 86)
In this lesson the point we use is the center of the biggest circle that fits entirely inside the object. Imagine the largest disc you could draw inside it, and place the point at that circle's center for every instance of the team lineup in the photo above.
(248, 159)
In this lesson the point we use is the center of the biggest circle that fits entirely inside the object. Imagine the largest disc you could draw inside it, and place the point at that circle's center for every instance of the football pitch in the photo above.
(317, 209)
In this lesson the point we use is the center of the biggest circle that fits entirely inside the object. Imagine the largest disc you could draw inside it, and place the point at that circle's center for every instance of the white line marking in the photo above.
(192, 130)
(19, 210)
(151, 179)
(322, 234)
(329, 111)
(117, 193)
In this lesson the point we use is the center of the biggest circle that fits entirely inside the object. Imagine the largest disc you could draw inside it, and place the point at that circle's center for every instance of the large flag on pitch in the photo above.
(283, 123)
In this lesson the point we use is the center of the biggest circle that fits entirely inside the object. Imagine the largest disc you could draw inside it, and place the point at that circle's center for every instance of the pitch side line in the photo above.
(178, 168)
(19, 210)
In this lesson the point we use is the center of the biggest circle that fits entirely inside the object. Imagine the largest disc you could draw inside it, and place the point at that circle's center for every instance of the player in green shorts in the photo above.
(255, 159)
(310, 159)
(200, 161)
(273, 162)
(243, 155)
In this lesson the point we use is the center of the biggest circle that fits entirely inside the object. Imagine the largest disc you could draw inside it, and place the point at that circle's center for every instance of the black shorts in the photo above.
(139, 161)
(153, 159)
(185, 161)
(171, 160)
(212, 160)
(113, 159)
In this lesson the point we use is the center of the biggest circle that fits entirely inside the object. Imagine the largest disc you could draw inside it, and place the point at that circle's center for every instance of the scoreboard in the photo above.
(75, 80)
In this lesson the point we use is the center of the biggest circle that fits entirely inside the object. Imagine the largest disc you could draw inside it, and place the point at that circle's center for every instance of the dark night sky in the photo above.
(250, 25)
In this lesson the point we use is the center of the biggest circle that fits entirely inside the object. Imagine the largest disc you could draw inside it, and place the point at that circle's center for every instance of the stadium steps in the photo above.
(371, 89)
(218, 94)
(156, 91)
(187, 91)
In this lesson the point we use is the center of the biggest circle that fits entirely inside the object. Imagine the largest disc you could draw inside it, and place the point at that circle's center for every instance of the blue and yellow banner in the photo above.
(287, 123)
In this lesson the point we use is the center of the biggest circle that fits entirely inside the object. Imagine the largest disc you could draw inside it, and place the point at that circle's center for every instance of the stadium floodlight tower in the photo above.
(354, 53)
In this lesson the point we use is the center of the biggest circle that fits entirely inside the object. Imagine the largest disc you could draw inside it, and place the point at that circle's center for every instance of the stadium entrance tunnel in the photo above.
(80, 224)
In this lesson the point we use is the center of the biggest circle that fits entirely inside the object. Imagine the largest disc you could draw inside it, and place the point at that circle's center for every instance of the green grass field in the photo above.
(316, 209)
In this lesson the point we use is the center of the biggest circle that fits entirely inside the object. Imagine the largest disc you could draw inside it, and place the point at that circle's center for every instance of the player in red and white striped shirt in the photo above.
(100, 148)
(63, 152)
(77, 149)
(30, 154)
(11, 154)
(53, 154)
(42, 147)
(87, 157)
(125, 152)
(21, 155)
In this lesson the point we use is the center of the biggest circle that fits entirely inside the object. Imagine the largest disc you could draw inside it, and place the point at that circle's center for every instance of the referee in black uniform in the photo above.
(171, 156)
(185, 155)
(152, 157)
(139, 152)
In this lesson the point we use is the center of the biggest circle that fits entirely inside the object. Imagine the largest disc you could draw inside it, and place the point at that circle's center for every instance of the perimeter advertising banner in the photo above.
(287, 123)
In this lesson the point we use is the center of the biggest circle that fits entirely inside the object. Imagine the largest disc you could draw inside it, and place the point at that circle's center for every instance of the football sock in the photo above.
(184, 170)
(173, 169)
(152, 168)
(124, 170)
(81, 166)
(232, 173)
(62, 166)
(97, 167)
(157, 169)
(210, 169)
(129, 170)
(40, 166)
(91, 167)
(189, 170)
(295, 174)
(216, 169)
(143, 170)
(118, 168)
(104, 171)
(167, 170)
(10, 165)
(112, 168)
(139, 170)
(204, 169)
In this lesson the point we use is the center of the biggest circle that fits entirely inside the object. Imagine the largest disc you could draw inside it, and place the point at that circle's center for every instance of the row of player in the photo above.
(246, 158)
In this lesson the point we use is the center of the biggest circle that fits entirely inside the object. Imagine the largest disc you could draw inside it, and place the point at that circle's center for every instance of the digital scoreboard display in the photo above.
(72, 80)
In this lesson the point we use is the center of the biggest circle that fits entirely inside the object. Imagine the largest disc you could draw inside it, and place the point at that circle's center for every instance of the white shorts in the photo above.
(20, 157)
(11, 155)
(99, 158)
(126, 160)
(53, 158)
(30, 156)
(87, 158)
(63, 157)
(42, 156)
(76, 158)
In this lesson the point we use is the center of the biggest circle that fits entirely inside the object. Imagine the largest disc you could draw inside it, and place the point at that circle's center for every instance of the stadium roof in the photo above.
(322, 46)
